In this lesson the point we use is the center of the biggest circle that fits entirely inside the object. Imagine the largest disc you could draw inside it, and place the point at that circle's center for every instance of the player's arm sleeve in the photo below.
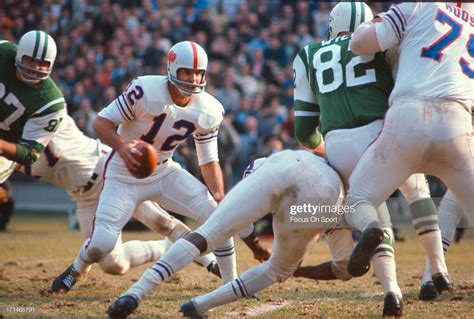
(125, 106)
(39, 130)
(306, 107)
(391, 30)
(206, 146)
(205, 136)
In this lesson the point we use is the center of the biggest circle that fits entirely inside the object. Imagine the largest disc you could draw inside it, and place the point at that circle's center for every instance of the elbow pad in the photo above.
(306, 132)
(27, 154)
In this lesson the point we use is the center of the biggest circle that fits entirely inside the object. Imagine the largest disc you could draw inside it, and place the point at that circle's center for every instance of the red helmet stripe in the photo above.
(195, 53)
(459, 4)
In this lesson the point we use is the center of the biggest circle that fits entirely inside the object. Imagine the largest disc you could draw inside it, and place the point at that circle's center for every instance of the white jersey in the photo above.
(436, 50)
(68, 161)
(146, 111)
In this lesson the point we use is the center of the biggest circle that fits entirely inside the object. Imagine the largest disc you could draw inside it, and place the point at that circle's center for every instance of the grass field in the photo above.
(36, 249)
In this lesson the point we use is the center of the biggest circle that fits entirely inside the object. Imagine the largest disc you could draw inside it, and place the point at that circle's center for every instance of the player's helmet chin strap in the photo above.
(181, 85)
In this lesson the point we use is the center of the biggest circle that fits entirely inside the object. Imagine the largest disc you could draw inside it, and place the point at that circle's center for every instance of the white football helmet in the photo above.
(347, 16)
(188, 55)
(40, 46)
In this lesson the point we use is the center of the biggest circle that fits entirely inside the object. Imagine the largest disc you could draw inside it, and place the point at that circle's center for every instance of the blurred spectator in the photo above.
(228, 95)
(249, 84)
(245, 110)
(84, 117)
(229, 145)
(271, 117)
(248, 146)
(102, 45)
(276, 52)
(303, 15)
(321, 16)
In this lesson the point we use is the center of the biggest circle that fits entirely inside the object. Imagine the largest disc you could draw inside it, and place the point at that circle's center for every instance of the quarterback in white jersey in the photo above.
(428, 126)
(162, 111)
(75, 162)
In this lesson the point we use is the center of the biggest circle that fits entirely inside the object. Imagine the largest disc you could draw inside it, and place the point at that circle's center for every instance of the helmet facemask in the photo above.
(37, 46)
(187, 55)
(182, 86)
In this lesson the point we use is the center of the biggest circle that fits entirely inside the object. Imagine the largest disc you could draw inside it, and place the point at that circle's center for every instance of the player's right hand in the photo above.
(127, 150)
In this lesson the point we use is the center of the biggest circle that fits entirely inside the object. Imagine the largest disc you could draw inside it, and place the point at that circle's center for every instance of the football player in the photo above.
(347, 96)
(162, 111)
(283, 180)
(31, 104)
(428, 126)
(450, 214)
(75, 163)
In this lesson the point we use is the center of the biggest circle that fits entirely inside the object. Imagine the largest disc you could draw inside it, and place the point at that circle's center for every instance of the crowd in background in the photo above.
(102, 45)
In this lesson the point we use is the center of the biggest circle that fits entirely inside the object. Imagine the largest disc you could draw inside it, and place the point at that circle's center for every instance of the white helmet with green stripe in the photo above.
(40, 46)
(347, 16)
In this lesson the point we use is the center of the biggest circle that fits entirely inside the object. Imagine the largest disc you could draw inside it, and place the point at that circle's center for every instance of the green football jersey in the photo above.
(29, 115)
(345, 90)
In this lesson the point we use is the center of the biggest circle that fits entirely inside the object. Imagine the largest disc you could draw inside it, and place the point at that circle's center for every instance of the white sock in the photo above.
(81, 263)
(142, 252)
(250, 282)
(447, 226)
(364, 215)
(450, 214)
(179, 255)
(434, 249)
(427, 273)
(181, 230)
(384, 265)
(178, 231)
(149, 280)
(425, 221)
(225, 256)
(205, 260)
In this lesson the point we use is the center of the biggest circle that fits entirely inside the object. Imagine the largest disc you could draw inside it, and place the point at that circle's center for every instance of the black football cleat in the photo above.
(189, 310)
(359, 262)
(65, 281)
(122, 307)
(213, 268)
(442, 282)
(428, 292)
(392, 305)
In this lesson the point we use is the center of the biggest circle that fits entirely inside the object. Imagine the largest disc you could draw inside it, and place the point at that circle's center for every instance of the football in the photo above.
(148, 159)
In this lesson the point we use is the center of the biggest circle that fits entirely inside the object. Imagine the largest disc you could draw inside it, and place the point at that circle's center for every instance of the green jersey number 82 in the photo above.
(324, 82)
